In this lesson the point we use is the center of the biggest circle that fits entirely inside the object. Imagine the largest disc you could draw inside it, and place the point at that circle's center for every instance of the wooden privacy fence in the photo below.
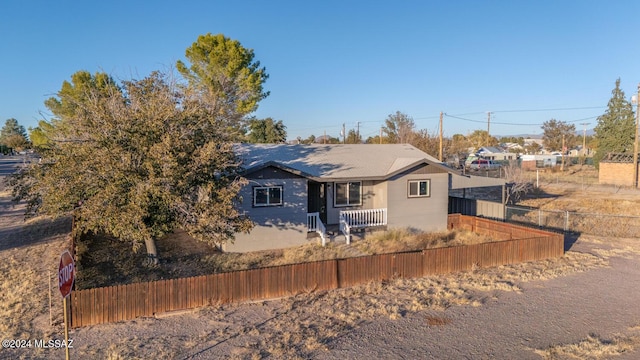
(116, 303)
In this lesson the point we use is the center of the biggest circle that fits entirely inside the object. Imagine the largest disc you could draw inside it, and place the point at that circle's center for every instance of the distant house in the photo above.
(512, 147)
(496, 153)
(296, 190)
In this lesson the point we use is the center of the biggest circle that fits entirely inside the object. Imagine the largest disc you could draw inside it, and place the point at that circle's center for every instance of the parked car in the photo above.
(481, 164)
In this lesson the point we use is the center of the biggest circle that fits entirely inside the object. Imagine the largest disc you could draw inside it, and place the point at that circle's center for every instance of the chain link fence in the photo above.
(583, 223)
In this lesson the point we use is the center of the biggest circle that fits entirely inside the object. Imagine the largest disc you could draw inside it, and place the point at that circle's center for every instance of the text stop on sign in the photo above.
(66, 272)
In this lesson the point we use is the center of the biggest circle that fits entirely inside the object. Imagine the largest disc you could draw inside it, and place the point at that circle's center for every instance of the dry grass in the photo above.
(575, 174)
(594, 347)
(399, 240)
(30, 251)
(103, 261)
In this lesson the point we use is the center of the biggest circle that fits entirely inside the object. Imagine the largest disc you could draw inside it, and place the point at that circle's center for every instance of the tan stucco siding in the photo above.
(421, 213)
(276, 226)
(380, 198)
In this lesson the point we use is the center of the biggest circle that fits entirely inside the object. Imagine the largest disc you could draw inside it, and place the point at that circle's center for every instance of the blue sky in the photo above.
(335, 62)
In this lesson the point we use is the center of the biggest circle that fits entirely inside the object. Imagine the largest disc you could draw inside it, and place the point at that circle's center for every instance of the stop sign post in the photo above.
(66, 272)
(66, 275)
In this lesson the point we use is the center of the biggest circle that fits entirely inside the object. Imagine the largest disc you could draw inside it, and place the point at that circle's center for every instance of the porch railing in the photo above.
(314, 224)
(358, 219)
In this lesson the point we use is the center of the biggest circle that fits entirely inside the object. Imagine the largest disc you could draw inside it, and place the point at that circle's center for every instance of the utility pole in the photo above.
(358, 131)
(584, 138)
(344, 135)
(488, 126)
(562, 166)
(635, 142)
(440, 152)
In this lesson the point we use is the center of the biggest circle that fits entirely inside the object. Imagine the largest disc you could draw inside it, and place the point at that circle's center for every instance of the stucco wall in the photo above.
(620, 174)
(421, 213)
(276, 226)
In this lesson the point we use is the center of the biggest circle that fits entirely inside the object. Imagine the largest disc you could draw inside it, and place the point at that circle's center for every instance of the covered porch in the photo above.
(350, 222)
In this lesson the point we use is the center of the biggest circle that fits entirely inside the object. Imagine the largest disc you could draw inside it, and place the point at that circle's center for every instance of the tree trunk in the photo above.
(152, 251)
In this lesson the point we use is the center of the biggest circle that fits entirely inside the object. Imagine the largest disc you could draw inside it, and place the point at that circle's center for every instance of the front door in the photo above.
(317, 201)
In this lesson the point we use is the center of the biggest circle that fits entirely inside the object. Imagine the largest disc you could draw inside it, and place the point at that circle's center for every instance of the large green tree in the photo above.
(226, 74)
(41, 135)
(266, 131)
(13, 135)
(553, 133)
(137, 161)
(615, 129)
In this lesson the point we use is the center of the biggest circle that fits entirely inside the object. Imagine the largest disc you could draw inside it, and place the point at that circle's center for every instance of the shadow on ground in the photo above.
(32, 232)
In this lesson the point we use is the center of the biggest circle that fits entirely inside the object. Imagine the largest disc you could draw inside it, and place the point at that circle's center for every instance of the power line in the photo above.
(512, 123)
(556, 109)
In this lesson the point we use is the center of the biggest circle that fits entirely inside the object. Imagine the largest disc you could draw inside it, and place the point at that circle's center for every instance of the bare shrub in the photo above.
(518, 183)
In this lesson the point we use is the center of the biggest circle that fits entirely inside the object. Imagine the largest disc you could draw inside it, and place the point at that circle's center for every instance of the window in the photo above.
(348, 193)
(267, 196)
(419, 188)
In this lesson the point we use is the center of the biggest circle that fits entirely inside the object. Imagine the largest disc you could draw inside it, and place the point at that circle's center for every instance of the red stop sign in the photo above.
(66, 272)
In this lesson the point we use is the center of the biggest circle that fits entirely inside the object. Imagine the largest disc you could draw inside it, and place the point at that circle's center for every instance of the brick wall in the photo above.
(616, 174)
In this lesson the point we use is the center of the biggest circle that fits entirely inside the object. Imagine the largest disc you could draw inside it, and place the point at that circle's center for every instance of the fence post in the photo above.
(539, 218)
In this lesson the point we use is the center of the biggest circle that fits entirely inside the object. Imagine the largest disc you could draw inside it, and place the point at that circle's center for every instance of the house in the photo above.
(512, 147)
(297, 190)
(496, 153)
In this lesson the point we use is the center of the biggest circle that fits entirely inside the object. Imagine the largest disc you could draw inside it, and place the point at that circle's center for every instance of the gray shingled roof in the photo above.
(361, 161)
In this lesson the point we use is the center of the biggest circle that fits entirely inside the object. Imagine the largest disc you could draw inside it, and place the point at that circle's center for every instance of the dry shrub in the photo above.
(593, 347)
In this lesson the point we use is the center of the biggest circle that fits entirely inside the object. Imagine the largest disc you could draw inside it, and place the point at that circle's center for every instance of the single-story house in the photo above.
(295, 190)
(496, 153)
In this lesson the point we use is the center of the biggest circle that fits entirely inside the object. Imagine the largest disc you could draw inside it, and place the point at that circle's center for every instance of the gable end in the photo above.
(271, 172)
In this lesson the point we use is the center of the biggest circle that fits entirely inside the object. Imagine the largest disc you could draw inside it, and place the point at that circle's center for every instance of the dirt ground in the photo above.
(582, 306)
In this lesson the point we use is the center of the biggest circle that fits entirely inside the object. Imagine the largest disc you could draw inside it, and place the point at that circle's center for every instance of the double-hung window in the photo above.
(419, 188)
(267, 196)
(348, 193)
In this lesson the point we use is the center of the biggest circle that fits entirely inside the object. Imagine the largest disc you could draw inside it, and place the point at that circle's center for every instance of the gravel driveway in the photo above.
(601, 302)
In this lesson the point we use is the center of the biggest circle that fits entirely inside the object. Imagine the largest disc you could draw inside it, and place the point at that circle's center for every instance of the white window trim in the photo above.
(256, 188)
(428, 181)
(335, 195)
